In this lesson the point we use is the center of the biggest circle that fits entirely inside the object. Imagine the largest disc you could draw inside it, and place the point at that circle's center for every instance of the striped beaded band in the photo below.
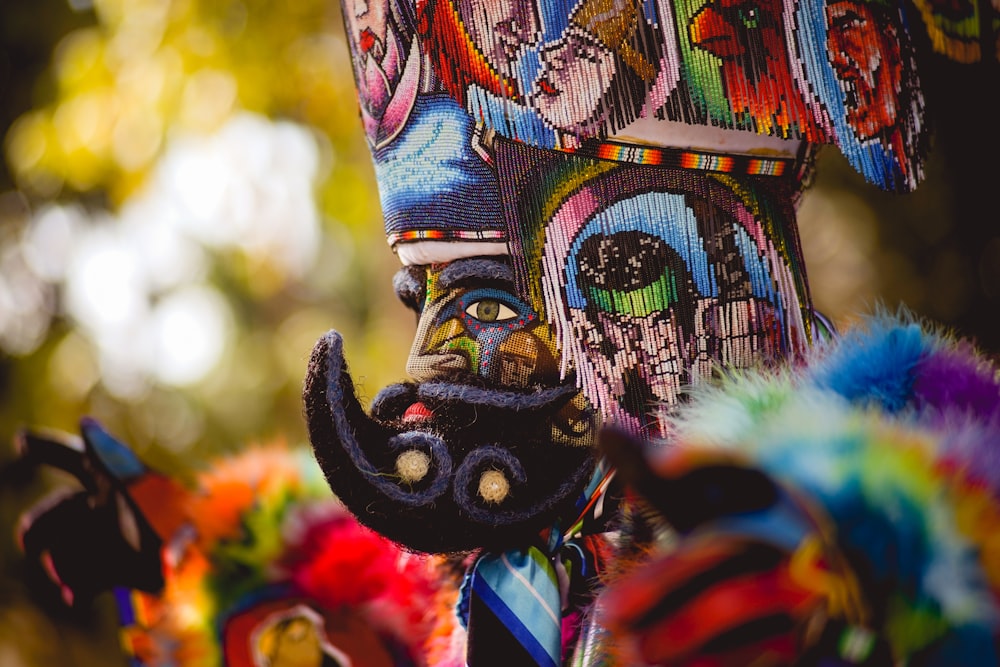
(676, 158)
(679, 158)
(412, 235)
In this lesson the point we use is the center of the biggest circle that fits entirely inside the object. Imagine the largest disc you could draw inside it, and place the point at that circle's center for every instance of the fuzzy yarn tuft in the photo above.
(896, 363)
(892, 431)
(874, 363)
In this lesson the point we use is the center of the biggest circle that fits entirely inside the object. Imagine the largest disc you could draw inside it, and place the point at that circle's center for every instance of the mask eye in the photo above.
(490, 310)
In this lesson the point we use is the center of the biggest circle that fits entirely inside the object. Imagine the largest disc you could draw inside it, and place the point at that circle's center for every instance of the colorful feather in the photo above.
(891, 437)
(265, 540)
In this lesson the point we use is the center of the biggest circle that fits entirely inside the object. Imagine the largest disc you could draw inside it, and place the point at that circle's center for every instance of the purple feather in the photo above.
(955, 378)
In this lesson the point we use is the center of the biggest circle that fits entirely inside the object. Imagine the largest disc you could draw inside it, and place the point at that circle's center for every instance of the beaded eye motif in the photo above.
(498, 325)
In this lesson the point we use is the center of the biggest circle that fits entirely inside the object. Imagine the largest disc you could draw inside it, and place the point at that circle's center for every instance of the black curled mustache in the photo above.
(472, 429)
(463, 406)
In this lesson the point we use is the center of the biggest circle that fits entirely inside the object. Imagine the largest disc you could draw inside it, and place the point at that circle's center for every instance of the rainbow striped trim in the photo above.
(412, 235)
(687, 159)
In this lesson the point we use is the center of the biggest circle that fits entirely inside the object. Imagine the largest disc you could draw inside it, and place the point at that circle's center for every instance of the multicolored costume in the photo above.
(838, 510)
(594, 206)
(841, 512)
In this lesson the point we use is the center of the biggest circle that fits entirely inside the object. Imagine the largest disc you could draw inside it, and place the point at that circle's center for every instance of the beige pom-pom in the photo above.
(493, 487)
(412, 465)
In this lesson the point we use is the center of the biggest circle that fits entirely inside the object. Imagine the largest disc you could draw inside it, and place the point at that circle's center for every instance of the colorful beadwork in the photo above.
(653, 275)
(685, 159)
(614, 79)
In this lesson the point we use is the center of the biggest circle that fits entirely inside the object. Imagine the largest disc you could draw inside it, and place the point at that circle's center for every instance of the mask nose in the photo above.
(430, 367)
(430, 357)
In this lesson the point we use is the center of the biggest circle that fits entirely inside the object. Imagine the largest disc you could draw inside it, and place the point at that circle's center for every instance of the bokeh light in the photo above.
(190, 329)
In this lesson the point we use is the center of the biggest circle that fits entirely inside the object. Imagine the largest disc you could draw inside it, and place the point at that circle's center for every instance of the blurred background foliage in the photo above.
(187, 203)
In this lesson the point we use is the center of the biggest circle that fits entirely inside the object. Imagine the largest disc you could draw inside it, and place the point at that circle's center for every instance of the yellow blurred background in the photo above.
(187, 203)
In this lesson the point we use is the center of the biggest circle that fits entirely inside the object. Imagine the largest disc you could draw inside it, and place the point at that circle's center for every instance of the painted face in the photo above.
(474, 330)
(380, 52)
(501, 29)
(475, 326)
(650, 307)
(652, 276)
(576, 75)
(865, 55)
(638, 292)
(487, 447)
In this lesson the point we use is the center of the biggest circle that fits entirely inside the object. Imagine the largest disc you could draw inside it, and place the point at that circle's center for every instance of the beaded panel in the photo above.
(653, 275)
(559, 73)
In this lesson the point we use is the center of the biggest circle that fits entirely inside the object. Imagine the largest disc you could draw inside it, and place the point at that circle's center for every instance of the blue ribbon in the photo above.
(513, 601)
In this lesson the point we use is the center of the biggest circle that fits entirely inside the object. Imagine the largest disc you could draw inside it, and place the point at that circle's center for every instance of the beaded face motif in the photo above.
(558, 74)
(654, 275)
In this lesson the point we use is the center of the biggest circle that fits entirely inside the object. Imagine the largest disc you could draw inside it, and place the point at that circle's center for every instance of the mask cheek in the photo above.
(442, 350)
(440, 339)
(524, 360)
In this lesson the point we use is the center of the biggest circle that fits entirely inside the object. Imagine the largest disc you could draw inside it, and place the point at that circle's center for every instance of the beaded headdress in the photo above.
(571, 74)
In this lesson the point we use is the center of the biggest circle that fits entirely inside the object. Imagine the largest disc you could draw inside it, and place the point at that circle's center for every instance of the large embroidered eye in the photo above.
(630, 273)
(490, 310)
